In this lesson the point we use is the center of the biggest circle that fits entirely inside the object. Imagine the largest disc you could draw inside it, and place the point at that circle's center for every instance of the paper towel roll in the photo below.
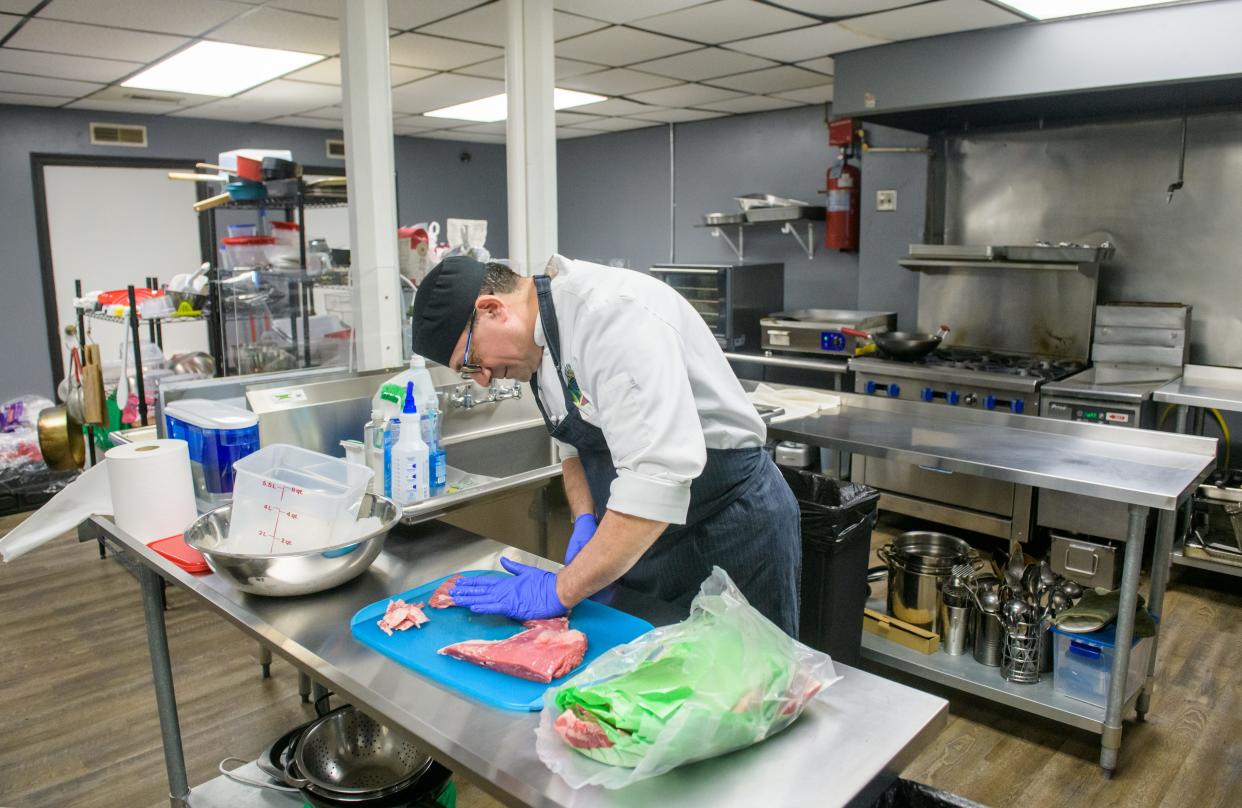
(152, 492)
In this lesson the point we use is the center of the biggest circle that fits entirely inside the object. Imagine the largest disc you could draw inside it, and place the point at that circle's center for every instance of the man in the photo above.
(662, 453)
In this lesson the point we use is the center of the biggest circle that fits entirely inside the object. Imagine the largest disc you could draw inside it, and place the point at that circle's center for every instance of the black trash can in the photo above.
(910, 794)
(837, 518)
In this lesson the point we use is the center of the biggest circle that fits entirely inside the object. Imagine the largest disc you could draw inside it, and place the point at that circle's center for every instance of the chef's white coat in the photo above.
(652, 378)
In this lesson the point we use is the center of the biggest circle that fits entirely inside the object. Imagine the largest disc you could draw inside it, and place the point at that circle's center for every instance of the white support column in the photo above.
(372, 183)
(530, 134)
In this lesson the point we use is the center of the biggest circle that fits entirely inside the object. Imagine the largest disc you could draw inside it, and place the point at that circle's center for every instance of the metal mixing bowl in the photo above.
(295, 573)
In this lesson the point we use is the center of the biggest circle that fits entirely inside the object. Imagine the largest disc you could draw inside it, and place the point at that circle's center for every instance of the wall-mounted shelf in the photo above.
(169, 318)
(789, 227)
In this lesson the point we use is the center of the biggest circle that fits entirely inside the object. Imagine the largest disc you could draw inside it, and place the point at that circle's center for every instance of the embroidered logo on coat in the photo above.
(575, 392)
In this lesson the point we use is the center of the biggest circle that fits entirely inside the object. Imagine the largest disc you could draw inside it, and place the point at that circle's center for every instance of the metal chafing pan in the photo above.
(723, 218)
(1068, 254)
(785, 214)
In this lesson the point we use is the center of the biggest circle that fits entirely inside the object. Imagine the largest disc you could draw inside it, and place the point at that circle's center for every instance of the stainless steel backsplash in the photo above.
(1109, 181)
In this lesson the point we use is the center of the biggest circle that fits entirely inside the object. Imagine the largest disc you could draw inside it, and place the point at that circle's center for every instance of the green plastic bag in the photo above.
(724, 678)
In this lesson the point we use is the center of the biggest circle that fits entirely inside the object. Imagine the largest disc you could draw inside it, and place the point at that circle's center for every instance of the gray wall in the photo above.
(1149, 46)
(614, 196)
(432, 184)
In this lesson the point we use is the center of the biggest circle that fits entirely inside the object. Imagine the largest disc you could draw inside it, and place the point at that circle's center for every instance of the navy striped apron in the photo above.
(743, 516)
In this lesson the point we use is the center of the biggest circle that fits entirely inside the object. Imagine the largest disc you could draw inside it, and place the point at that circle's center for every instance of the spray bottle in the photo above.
(410, 467)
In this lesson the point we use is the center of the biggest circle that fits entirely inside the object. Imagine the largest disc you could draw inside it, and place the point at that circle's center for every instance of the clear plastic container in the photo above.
(247, 251)
(287, 499)
(239, 230)
(1083, 664)
(218, 435)
(286, 252)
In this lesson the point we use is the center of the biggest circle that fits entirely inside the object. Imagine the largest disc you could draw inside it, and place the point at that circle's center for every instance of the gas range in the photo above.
(964, 377)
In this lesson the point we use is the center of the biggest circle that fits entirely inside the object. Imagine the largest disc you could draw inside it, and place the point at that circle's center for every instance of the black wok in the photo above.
(907, 345)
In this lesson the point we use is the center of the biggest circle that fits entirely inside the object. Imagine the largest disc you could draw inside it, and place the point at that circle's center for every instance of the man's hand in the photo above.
(529, 594)
(584, 529)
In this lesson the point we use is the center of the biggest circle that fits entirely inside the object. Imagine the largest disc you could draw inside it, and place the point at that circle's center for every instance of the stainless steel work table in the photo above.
(848, 745)
(1142, 468)
(1200, 388)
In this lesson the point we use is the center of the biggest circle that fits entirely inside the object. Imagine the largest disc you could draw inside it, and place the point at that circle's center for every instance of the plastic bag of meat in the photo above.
(724, 678)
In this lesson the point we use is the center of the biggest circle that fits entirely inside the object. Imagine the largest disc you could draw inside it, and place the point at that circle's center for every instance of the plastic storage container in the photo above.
(837, 519)
(287, 499)
(287, 252)
(1084, 664)
(247, 251)
(218, 435)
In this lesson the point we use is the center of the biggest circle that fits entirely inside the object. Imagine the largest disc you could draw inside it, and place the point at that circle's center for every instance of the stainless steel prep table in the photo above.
(847, 746)
(1140, 468)
(1202, 387)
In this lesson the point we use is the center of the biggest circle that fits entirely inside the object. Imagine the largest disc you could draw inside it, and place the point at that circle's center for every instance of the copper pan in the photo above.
(60, 439)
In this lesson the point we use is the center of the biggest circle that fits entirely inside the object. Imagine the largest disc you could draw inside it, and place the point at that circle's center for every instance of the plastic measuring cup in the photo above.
(291, 500)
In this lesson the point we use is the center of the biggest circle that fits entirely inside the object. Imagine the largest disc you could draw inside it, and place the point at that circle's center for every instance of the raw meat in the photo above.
(537, 654)
(401, 615)
(580, 733)
(550, 623)
(441, 599)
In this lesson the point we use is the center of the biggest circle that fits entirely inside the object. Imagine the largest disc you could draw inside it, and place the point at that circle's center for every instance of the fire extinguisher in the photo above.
(844, 206)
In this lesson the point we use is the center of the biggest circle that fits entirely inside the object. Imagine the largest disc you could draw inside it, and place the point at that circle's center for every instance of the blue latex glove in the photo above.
(584, 529)
(529, 594)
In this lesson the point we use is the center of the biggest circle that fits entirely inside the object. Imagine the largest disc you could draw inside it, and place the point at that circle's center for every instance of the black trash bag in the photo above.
(829, 506)
(909, 794)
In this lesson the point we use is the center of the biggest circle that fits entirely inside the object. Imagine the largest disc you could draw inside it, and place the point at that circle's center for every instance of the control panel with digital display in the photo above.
(1091, 414)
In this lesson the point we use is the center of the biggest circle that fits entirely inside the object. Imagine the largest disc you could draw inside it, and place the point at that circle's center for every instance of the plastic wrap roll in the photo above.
(152, 491)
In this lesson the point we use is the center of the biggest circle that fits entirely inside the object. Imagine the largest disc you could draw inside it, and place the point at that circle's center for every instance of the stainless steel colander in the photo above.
(348, 752)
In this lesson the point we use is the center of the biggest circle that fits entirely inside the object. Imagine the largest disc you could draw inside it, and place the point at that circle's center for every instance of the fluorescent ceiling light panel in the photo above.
(496, 107)
(219, 68)
(1052, 9)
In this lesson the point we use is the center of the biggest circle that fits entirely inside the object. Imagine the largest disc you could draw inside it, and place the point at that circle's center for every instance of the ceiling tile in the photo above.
(324, 8)
(90, 40)
(564, 68)
(31, 100)
(420, 123)
(615, 124)
(468, 137)
(306, 123)
(489, 25)
(442, 90)
(229, 109)
(677, 115)
(571, 118)
(406, 14)
(155, 99)
(612, 11)
(933, 19)
(771, 80)
(707, 63)
(825, 65)
(751, 103)
(806, 43)
(821, 94)
(144, 107)
(844, 8)
(62, 66)
(613, 106)
(161, 16)
(273, 28)
(724, 20)
(332, 113)
(18, 6)
(292, 97)
(419, 50)
(565, 133)
(329, 72)
(38, 85)
(496, 128)
(620, 46)
(616, 82)
(7, 23)
(684, 95)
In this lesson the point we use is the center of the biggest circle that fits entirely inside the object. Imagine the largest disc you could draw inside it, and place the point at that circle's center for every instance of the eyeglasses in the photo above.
(468, 368)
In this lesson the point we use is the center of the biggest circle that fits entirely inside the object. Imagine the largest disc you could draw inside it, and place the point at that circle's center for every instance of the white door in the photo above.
(111, 227)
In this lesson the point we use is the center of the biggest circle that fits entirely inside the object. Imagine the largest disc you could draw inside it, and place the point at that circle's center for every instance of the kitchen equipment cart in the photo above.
(300, 283)
(1200, 388)
(1141, 468)
(868, 727)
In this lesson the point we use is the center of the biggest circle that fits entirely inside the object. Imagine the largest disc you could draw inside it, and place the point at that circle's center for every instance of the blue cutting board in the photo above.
(416, 648)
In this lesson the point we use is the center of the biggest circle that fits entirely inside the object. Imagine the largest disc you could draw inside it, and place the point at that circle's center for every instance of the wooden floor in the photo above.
(80, 725)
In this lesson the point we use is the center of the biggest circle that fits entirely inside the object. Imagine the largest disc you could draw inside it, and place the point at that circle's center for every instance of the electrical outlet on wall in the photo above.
(886, 200)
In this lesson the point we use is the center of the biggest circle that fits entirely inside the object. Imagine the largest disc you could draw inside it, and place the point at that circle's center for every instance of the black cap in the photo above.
(443, 304)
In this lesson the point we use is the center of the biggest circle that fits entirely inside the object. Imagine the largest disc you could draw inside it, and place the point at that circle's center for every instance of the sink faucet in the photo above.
(463, 395)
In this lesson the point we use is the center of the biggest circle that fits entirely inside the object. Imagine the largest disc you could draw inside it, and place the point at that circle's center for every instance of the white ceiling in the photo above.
(658, 61)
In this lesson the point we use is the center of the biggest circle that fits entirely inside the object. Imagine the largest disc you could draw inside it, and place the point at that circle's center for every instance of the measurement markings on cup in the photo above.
(291, 515)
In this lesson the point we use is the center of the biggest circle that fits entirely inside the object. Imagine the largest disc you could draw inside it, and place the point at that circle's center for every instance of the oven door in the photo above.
(706, 289)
